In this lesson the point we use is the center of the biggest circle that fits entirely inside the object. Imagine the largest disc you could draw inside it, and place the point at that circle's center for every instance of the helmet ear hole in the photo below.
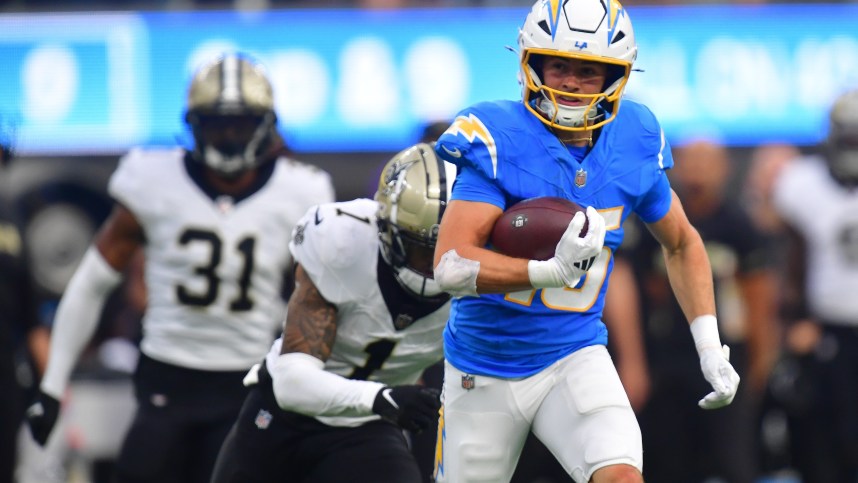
(534, 68)
(614, 74)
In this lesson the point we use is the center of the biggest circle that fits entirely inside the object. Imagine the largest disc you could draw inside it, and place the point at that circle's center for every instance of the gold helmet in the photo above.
(413, 192)
(230, 109)
(841, 145)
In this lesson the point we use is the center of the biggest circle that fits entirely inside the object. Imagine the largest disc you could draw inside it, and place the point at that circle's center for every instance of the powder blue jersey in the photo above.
(504, 155)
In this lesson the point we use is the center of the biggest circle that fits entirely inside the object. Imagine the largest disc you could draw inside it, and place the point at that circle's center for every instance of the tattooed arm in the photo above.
(301, 383)
(312, 320)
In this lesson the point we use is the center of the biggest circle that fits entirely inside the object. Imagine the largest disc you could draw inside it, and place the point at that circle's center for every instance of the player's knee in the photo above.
(480, 462)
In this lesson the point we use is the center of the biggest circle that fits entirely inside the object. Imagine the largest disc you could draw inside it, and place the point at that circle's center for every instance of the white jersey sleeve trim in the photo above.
(77, 318)
(302, 385)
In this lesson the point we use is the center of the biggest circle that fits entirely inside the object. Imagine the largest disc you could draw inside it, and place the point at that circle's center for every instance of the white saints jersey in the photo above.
(337, 244)
(826, 215)
(214, 265)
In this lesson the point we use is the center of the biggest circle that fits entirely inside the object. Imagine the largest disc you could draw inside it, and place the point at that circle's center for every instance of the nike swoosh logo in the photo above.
(386, 395)
(318, 220)
(454, 153)
(36, 410)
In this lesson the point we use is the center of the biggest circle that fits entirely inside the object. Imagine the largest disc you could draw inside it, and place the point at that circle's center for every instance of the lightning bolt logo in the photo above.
(439, 445)
(615, 11)
(554, 7)
(472, 129)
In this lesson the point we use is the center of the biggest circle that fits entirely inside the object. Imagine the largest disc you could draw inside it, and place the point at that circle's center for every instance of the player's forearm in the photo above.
(480, 271)
(501, 274)
(38, 343)
(690, 277)
(302, 385)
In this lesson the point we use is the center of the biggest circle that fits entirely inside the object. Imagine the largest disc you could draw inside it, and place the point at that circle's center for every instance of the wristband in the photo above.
(544, 274)
(704, 329)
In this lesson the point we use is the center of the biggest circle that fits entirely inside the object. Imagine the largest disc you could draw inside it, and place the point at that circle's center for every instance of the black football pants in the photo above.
(268, 444)
(182, 418)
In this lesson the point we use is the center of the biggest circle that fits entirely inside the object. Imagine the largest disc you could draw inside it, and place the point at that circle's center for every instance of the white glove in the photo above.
(574, 254)
(715, 363)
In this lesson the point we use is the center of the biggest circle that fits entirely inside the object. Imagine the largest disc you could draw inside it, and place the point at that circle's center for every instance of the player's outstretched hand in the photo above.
(575, 253)
(715, 363)
(42, 416)
(412, 407)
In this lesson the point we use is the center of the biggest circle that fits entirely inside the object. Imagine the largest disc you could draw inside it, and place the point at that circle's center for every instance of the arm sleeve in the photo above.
(77, 318)
(302, 385)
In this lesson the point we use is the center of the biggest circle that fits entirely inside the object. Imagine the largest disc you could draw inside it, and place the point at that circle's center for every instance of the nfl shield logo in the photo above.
(298, 234)
(403, 321)
(468, 381)
(580, 178)
(224, 203)
(263, 419)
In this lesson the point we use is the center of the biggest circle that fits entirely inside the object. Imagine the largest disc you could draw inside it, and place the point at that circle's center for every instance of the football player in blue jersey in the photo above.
(525, 346)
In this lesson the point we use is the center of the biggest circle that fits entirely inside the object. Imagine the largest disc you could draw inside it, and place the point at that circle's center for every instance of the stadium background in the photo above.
(83, 81)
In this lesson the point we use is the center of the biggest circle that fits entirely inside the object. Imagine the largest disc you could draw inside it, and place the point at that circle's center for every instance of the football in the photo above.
(532, 228)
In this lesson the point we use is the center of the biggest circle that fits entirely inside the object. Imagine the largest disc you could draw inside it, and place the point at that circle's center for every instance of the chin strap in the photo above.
(416, 283)
(555, 112)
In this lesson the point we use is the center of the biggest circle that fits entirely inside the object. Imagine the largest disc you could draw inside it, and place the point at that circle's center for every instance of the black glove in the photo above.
(42, 416)
(411, 407)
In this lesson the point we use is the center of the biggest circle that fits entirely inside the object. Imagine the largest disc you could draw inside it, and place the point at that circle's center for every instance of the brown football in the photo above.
(532, 228)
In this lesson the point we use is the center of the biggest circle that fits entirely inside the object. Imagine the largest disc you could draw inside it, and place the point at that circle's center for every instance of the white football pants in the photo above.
(577, 407)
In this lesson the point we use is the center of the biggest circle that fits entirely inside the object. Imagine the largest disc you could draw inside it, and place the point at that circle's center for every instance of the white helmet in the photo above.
(841, 146)
(591, 30)
(229, 92)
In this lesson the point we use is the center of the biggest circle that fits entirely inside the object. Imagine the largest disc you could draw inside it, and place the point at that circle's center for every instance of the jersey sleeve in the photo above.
(334, 244)
(471, 145)
(138, 173)
(472, 185)
(471, 140)
(795, 178)
(315, 184)
(127, 184)
(656, 159)
(656, 201)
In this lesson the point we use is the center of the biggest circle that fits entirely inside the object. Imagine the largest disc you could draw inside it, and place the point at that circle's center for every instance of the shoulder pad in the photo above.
(489, 136)
(337, 244)
(808, 174)
(139, 171)
(641, 129)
